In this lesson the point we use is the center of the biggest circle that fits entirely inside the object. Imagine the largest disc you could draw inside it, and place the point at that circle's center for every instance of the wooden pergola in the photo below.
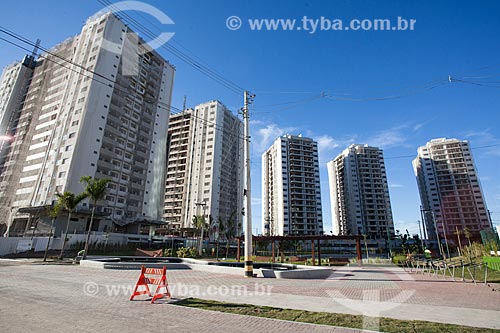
(313, 238)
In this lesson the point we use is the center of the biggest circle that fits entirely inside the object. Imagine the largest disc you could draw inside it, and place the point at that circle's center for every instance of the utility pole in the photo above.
(420, 232)
(424, 226)
(247, 99)
(440, 246)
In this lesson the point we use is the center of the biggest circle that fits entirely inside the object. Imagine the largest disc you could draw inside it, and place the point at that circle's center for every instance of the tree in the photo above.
(228, 229)
(68, 200)
(95, 189)
(467, 235)
(212, 227)
(53, 212)
(200, 224)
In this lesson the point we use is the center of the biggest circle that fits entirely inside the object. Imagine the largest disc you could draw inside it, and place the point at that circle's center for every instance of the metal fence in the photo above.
(458, 270)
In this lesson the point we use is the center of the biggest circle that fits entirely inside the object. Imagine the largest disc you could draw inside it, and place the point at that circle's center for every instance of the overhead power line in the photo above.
(204, 69)
(90, 74)
(414, 156)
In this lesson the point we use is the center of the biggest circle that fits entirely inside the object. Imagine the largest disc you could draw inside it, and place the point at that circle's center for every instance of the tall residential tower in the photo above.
(291, 194)
(205, 166)
(359, 193)
(450, 191)
(97, 105)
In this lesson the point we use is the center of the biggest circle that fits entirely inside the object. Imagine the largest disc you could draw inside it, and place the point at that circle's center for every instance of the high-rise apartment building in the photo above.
(359, 193)
(291, 193)
(14, 85)
(450, 191)
(97, 105)
(205, 166)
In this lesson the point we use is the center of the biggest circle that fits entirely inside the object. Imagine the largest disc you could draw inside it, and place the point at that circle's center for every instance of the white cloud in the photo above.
(418, 126)
(326, 142)
(327, 145)
(393, 137)
(264, 136)
(396, 185)
(484, 138)
(411, 226)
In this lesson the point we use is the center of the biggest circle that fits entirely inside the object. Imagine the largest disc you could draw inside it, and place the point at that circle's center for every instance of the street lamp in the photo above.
(441, 252)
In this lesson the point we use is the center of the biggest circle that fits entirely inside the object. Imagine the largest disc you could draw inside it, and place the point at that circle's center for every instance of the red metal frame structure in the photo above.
(312, 238)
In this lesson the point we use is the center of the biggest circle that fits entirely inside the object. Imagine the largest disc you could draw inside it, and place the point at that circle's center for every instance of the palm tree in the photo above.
(69, 201)
(95, 189)
(200, 225)
(212, 228)
(53, 212)
(227, 228)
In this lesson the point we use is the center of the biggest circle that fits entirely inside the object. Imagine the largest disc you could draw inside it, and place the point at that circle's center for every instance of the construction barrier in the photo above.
(152, 276)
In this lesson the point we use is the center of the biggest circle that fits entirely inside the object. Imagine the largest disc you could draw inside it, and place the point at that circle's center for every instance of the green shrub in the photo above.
(182, 252)
(185, 252)
(399, 259)
(474, 252)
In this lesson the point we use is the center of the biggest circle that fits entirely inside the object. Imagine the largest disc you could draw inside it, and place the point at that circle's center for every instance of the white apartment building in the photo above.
(450, 191)
(291, 193)
(14, 85)
(205, 166)
(104, 112)
(359, 193)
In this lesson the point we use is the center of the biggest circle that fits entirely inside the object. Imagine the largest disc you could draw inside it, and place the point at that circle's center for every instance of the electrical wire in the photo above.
(414, 156)
(117, 87)
(212, 74)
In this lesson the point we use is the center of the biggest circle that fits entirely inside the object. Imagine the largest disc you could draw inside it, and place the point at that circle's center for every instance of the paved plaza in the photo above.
(68, 297)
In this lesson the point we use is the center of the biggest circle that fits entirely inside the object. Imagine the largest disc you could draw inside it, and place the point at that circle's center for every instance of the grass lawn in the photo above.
(333, 319)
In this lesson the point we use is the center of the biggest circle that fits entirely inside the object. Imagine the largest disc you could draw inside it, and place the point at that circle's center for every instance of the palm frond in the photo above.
(95, 188)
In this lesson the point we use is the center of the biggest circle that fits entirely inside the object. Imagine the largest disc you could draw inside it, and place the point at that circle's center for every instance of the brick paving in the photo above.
(372, 291)
(52, 298)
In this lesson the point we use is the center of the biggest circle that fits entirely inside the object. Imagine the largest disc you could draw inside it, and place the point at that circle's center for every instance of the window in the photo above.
(71, 135)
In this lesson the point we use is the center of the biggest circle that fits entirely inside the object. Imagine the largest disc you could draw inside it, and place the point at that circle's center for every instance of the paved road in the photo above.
(60, 298)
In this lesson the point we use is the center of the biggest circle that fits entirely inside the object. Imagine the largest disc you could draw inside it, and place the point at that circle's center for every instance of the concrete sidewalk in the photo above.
(48, 298)
(371, 291)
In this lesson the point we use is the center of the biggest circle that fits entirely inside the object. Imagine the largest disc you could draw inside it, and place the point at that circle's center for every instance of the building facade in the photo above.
(359, 193)
(204, 167)
(450, 191)
(291, 192)
(102, 111)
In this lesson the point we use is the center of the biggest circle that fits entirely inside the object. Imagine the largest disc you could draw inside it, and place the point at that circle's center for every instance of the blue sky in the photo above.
(457, 38)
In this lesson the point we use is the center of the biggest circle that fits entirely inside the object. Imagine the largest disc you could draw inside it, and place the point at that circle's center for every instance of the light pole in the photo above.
(420, 232)
(441, 252)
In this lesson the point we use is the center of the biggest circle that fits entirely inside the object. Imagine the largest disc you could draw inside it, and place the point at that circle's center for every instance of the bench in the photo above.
(338, 261)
